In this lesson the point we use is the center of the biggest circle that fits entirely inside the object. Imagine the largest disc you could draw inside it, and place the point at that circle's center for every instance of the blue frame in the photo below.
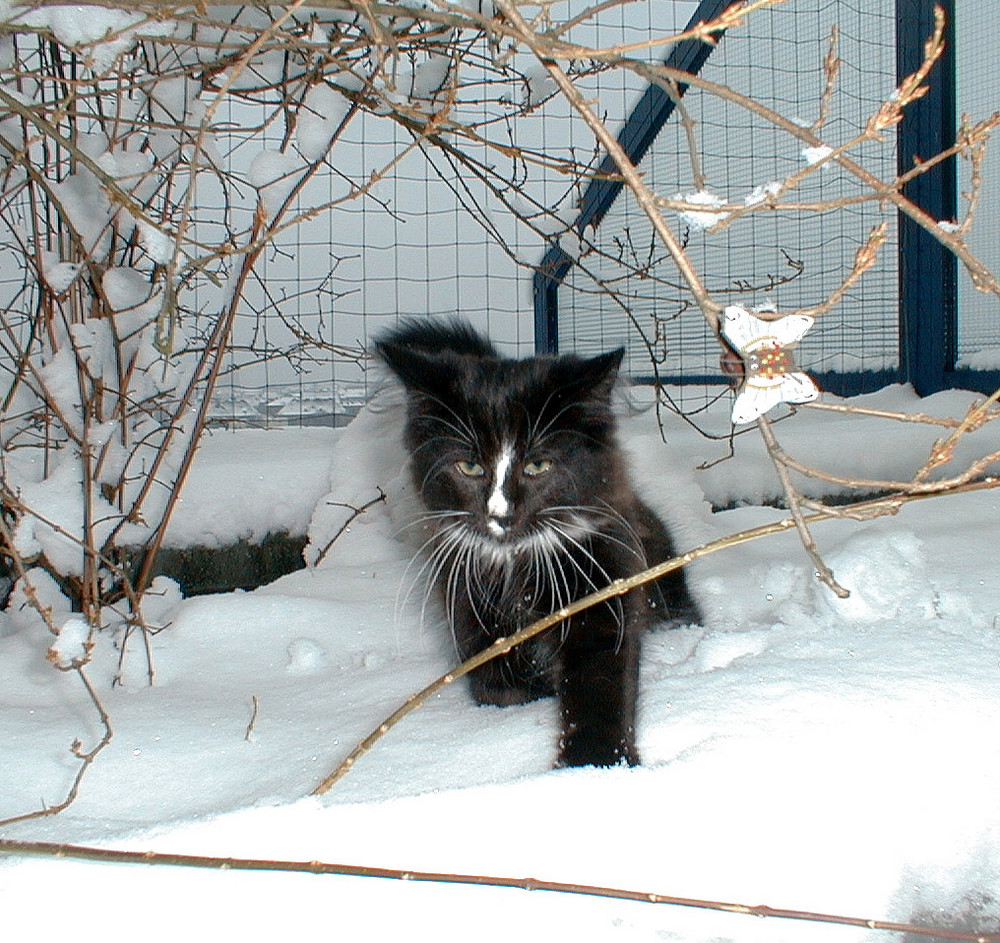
(928, 272)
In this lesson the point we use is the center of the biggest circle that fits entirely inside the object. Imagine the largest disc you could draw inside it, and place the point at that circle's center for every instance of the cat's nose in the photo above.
(498, 524)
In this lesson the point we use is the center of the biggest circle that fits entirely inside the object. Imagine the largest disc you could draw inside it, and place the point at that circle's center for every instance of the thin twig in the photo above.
(855, 409)
(831, 68)
(78, 667)
(255, 705)
(86, 758)
(113, 856)
(941, 452)
(823, 572)
(889, 113)
(645, 197)
(355, 513)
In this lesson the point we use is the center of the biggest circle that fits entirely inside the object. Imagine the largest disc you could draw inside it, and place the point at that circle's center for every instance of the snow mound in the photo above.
(885, 571)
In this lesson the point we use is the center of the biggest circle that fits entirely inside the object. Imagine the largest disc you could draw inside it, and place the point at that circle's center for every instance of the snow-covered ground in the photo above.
(799, 750)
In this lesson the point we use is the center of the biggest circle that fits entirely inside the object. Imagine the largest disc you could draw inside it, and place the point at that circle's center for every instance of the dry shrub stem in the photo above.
(645, 197)
(356, 512)
(162, 859)
(78, 667)
(793, 500)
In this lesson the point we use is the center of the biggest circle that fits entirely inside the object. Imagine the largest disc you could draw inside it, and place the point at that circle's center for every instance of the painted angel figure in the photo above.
(770, 375)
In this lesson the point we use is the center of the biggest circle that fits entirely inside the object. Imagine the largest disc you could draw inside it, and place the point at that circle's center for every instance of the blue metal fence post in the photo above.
(927, 270)
(545, 287)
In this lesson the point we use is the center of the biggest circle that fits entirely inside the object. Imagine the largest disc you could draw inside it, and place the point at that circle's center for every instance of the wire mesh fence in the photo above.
(396, 222)
(977, 37)
(206, 217)
(417, 174)
(399, 219)
(767, 233)
(714, 151)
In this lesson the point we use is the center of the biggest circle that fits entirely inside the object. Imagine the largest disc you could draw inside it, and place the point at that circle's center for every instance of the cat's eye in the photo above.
(539, 467)
(470, 469)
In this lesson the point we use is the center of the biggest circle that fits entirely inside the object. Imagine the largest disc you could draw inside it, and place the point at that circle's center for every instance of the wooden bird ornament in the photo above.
(770, 375)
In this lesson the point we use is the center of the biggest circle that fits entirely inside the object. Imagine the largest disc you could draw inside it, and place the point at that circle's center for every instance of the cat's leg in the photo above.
(669, 599)
(522, 675)
(598, 687)
(510, 679)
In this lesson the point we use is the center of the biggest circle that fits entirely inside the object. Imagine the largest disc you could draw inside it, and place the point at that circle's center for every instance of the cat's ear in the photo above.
(603, 369)
(418, 370)
(593, 376)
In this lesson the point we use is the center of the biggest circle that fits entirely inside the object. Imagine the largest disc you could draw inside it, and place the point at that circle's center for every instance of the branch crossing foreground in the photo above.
(111, 856)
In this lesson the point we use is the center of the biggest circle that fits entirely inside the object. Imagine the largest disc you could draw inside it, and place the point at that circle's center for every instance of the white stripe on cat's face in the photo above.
(498, 504)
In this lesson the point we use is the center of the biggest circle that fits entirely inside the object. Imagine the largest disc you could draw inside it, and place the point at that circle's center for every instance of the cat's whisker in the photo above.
(632, 542)
(458, 563)
(445, 542)
(562, 592)
(429, 516)
(602, 511)
(615, 605)
(474, 574)
(536, 570)
(446, 533)
(469, 563)
(465, 433)
(616, 515)
(537, 436)
(454, 519)
(548, 573)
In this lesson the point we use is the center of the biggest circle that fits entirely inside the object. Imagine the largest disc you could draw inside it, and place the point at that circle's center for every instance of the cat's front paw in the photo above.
(501, 695)
(488, 688)
(582, 748)
(505, 683)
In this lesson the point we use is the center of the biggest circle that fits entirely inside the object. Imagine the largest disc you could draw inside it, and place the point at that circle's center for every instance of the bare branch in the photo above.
(502, 646)
(166, 859)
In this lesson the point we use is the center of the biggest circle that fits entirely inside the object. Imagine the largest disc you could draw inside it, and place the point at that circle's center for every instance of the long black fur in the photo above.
(565, 523)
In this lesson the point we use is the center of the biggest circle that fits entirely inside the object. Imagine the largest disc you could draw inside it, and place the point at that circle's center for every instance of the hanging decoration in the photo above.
(770, 375)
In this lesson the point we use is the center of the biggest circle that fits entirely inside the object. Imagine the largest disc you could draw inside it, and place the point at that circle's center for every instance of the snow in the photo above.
(697, 219)
(275, 173)
(815, 155)
(760, 193)
(249, 484)
(125, 288)
(58, 275)
(159, 602)
(159, 245)
(88, 210)
(321, 113)
(72, 643)
(540, 84)
(104, 34)
(798, 750)
(986, 359)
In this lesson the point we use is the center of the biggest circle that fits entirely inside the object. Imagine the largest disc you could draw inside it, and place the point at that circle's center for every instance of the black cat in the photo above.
(529, 507)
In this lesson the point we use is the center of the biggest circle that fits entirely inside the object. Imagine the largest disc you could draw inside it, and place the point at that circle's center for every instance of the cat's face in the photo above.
(508, 482)
(514, 454)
